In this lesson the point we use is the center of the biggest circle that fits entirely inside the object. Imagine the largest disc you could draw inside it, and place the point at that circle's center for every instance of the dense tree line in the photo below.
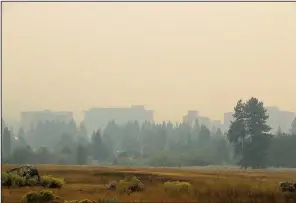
(248, 143)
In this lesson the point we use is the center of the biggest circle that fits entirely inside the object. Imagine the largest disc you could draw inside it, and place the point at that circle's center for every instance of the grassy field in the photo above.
(209, 185)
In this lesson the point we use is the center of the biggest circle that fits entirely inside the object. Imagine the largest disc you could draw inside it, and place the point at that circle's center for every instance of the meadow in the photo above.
(208, 185)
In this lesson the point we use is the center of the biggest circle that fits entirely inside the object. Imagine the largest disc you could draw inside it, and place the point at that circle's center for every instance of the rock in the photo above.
(27, 171)
(287, 186)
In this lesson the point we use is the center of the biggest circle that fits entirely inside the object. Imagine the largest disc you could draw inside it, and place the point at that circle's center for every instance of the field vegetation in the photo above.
(87, 183)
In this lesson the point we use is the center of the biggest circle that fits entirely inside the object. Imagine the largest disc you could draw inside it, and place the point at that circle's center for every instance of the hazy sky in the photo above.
(170, 57)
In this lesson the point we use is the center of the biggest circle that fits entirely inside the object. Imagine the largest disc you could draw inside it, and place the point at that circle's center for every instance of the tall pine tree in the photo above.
(258, 132)
(293, 129)
(7, 140)
(237, 131)
(249, 133)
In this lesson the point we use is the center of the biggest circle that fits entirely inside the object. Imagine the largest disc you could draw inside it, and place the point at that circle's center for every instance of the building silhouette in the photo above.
(277, 119)
(98, 118)
(30, 119)
(193, 115)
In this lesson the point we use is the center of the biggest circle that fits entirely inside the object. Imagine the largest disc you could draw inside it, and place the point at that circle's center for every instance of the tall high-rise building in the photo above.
(191, 117)
(98, 118)
(280, 119)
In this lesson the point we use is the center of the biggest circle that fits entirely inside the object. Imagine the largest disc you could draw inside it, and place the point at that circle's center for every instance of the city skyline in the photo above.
(98, 117)
(18, 118)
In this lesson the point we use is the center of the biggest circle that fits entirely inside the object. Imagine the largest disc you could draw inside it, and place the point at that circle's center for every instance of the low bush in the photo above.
(31, 182)
(128, 183)
(51, 182)
(176, 187)
(80, 201)
(102, 200)
(44, 196)
(14, 180)
(108, 200)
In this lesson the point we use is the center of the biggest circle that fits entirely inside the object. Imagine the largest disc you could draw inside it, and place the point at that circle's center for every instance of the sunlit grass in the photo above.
(207, 185)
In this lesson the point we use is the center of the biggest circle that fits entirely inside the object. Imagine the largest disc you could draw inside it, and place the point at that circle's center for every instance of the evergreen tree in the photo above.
(293, 129)
(99, 150)
(21, 137)
(249, 133)
(82, 130)
(258, 130)
(204, 136)
(7, 140)
(24, 155)
(81, 156)
(96, 142)
(279, 131)
(237, 131)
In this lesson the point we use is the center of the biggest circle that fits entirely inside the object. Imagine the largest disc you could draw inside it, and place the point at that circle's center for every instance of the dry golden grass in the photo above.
(209, 185)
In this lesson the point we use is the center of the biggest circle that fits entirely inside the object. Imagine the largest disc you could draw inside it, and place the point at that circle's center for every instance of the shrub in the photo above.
(12, 180)
(122, 186)
(86, 201)
(107, 200)
(31, 182)
(50, 182)
(176, 187)
(81, 201)
(44, 196)
(129, 183)
(30, 197)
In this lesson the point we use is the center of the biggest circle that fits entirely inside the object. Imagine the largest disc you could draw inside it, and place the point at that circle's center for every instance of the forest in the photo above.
(247, 143)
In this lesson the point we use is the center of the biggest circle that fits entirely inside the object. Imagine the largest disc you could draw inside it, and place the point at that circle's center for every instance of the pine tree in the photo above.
(81, 156)
(258, 131)
(7, 140)
(293, 130)
(237, 131)
(249, 133)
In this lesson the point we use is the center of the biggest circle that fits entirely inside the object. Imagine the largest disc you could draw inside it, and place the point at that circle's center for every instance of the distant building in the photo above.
(217, 124)
(96, 118)
(191, 117)
(205, 121)
(31, 119)
(286, 119)
(277, 118)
